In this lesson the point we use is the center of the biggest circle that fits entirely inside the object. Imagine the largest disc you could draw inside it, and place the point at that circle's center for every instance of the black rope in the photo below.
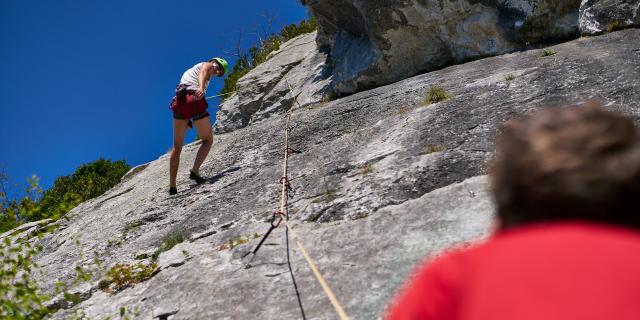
(274, 224)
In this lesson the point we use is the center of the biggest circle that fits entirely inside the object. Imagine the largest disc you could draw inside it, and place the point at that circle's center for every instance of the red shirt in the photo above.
(554, 271)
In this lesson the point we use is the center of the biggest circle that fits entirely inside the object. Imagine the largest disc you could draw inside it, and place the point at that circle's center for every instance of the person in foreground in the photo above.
(566, 184)
(189, 103)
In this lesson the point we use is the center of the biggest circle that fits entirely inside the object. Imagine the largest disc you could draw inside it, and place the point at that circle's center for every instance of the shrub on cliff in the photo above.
(20, 296)
(88, 181)
(258, 54)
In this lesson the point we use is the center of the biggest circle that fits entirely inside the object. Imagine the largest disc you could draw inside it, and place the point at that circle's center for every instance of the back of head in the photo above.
(570, 163)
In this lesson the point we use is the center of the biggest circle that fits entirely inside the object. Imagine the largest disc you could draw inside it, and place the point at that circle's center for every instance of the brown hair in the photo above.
(577, 162)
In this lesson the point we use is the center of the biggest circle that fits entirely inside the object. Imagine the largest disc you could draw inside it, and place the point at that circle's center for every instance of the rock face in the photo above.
(265, 89)
(599, 16)
(364, 44)
(379, 42)
(381, 182)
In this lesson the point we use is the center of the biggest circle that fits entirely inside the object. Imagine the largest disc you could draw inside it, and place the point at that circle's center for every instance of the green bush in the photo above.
(435, 94)
(14, 212)
(20, 297)
(258, 54)
(241, 68)
(291, 31)
(88, 181)
(615, 26)
(127, 275)
(547, 53)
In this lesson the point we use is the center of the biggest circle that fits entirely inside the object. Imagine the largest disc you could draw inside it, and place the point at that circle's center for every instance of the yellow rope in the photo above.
(283, 214)
(327, 290)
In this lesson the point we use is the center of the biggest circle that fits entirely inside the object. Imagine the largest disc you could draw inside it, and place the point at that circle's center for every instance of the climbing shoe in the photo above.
(173, 190)
(196, 177)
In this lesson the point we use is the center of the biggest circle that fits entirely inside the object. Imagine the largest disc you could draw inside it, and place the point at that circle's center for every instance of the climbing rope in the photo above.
(334, 301)
(220, 95)
(283, 216)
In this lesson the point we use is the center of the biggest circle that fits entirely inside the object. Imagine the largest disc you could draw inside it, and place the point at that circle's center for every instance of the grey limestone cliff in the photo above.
(382, 181)
(265, 90)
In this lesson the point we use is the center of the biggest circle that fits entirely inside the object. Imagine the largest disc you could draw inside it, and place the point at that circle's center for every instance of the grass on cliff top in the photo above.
(615, 26)
(434, 95)
(547, 53)
(258, 53)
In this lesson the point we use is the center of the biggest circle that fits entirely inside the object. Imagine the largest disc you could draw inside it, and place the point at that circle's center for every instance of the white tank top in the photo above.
(191, 78)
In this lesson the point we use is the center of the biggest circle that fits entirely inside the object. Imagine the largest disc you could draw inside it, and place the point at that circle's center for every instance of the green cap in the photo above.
(224, 64)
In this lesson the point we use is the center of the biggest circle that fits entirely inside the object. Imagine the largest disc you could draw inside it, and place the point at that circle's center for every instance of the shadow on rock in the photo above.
(222, 174)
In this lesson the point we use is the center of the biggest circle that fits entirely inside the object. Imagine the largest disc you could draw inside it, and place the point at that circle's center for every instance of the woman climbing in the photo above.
(189, 103)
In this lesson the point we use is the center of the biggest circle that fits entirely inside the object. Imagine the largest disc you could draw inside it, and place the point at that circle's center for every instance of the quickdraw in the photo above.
(276, 219)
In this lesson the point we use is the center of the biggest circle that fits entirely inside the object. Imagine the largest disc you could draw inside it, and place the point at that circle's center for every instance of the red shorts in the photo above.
(187, 107)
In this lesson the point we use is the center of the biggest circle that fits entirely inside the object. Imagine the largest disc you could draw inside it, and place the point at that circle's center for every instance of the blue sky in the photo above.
(88, 79)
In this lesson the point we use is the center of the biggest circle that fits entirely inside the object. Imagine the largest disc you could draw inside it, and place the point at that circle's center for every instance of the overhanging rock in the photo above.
(376, 42)
(600, 16)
